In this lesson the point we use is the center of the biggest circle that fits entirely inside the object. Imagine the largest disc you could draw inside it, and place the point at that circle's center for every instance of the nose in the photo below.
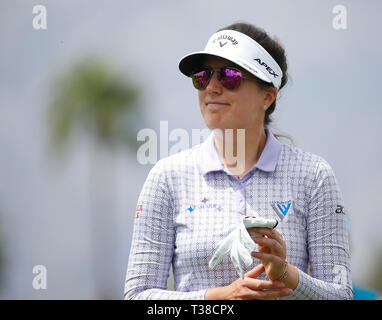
(214, 86)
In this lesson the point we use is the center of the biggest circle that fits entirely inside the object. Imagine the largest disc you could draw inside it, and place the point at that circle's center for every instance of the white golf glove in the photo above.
(240, 244)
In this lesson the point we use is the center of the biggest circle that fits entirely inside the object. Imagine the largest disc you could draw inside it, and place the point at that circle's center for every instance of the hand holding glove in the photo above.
(240, 244)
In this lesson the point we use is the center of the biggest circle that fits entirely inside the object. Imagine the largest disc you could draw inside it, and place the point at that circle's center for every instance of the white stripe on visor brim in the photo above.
(241, 50)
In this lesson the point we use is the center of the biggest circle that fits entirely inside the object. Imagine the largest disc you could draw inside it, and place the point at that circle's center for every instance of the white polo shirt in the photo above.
(190, 202)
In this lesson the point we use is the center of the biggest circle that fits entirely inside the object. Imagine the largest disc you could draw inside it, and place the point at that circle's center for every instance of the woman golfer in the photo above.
(193, 200)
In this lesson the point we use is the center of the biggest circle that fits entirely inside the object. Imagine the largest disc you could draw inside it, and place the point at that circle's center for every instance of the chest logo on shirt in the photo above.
(281, 207)
(203, 205)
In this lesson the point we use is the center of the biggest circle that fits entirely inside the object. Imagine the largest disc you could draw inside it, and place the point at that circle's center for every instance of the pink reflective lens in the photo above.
(229, 77)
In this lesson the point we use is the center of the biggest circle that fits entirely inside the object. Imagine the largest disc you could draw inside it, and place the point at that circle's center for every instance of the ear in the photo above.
(270, 95)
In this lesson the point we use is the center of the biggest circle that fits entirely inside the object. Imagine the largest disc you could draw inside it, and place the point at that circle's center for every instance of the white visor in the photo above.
(241, 50)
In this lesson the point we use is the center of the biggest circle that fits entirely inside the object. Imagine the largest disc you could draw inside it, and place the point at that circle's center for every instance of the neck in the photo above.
(240, 149)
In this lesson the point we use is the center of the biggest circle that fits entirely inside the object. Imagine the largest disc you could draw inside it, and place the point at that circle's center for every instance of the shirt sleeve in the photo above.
(328, 241)
(152, 245)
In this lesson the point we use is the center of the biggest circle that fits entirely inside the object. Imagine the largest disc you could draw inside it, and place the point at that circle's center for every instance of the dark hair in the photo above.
(274, 48)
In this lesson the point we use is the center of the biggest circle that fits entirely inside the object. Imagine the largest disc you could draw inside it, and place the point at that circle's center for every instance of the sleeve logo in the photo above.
(138, 210)
(340, 209)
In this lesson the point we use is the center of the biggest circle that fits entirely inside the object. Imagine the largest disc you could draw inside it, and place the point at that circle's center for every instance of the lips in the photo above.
(216, 107)
(216, 103)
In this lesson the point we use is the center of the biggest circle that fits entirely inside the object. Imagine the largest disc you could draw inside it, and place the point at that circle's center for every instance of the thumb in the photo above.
(255, 272)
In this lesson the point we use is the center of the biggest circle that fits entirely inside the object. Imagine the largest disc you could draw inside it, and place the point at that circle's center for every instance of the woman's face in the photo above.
(242, 108)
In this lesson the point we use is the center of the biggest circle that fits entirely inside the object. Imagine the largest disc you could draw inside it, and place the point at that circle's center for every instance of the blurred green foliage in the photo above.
(375, 277)
(96, 98)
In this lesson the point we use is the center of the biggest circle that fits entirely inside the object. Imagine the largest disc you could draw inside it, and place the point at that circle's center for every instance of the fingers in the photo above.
(267, 257)
(272, 294)
(252, 283)
(275, 247)
(270, 233)
(271, 251)
(254, 289)
(256, 284)
(274, 264)
(255, 272)
(251, 288)
(270, 242)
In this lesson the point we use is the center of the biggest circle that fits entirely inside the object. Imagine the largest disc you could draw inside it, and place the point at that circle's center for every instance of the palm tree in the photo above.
(95, 99)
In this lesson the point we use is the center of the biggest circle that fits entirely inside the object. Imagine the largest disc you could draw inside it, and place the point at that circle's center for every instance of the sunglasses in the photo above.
(229, 77)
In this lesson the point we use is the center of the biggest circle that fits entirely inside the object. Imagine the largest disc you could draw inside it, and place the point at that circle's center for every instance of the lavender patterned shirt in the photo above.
(190, 202)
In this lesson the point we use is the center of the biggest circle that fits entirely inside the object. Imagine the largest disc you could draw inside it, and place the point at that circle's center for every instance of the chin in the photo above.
(213, 126)
(214, 121)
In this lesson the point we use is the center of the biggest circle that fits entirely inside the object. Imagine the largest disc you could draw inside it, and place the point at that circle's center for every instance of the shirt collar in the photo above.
(210, 160)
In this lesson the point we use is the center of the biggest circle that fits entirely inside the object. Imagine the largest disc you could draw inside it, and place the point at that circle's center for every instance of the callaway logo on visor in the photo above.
(225, 37)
